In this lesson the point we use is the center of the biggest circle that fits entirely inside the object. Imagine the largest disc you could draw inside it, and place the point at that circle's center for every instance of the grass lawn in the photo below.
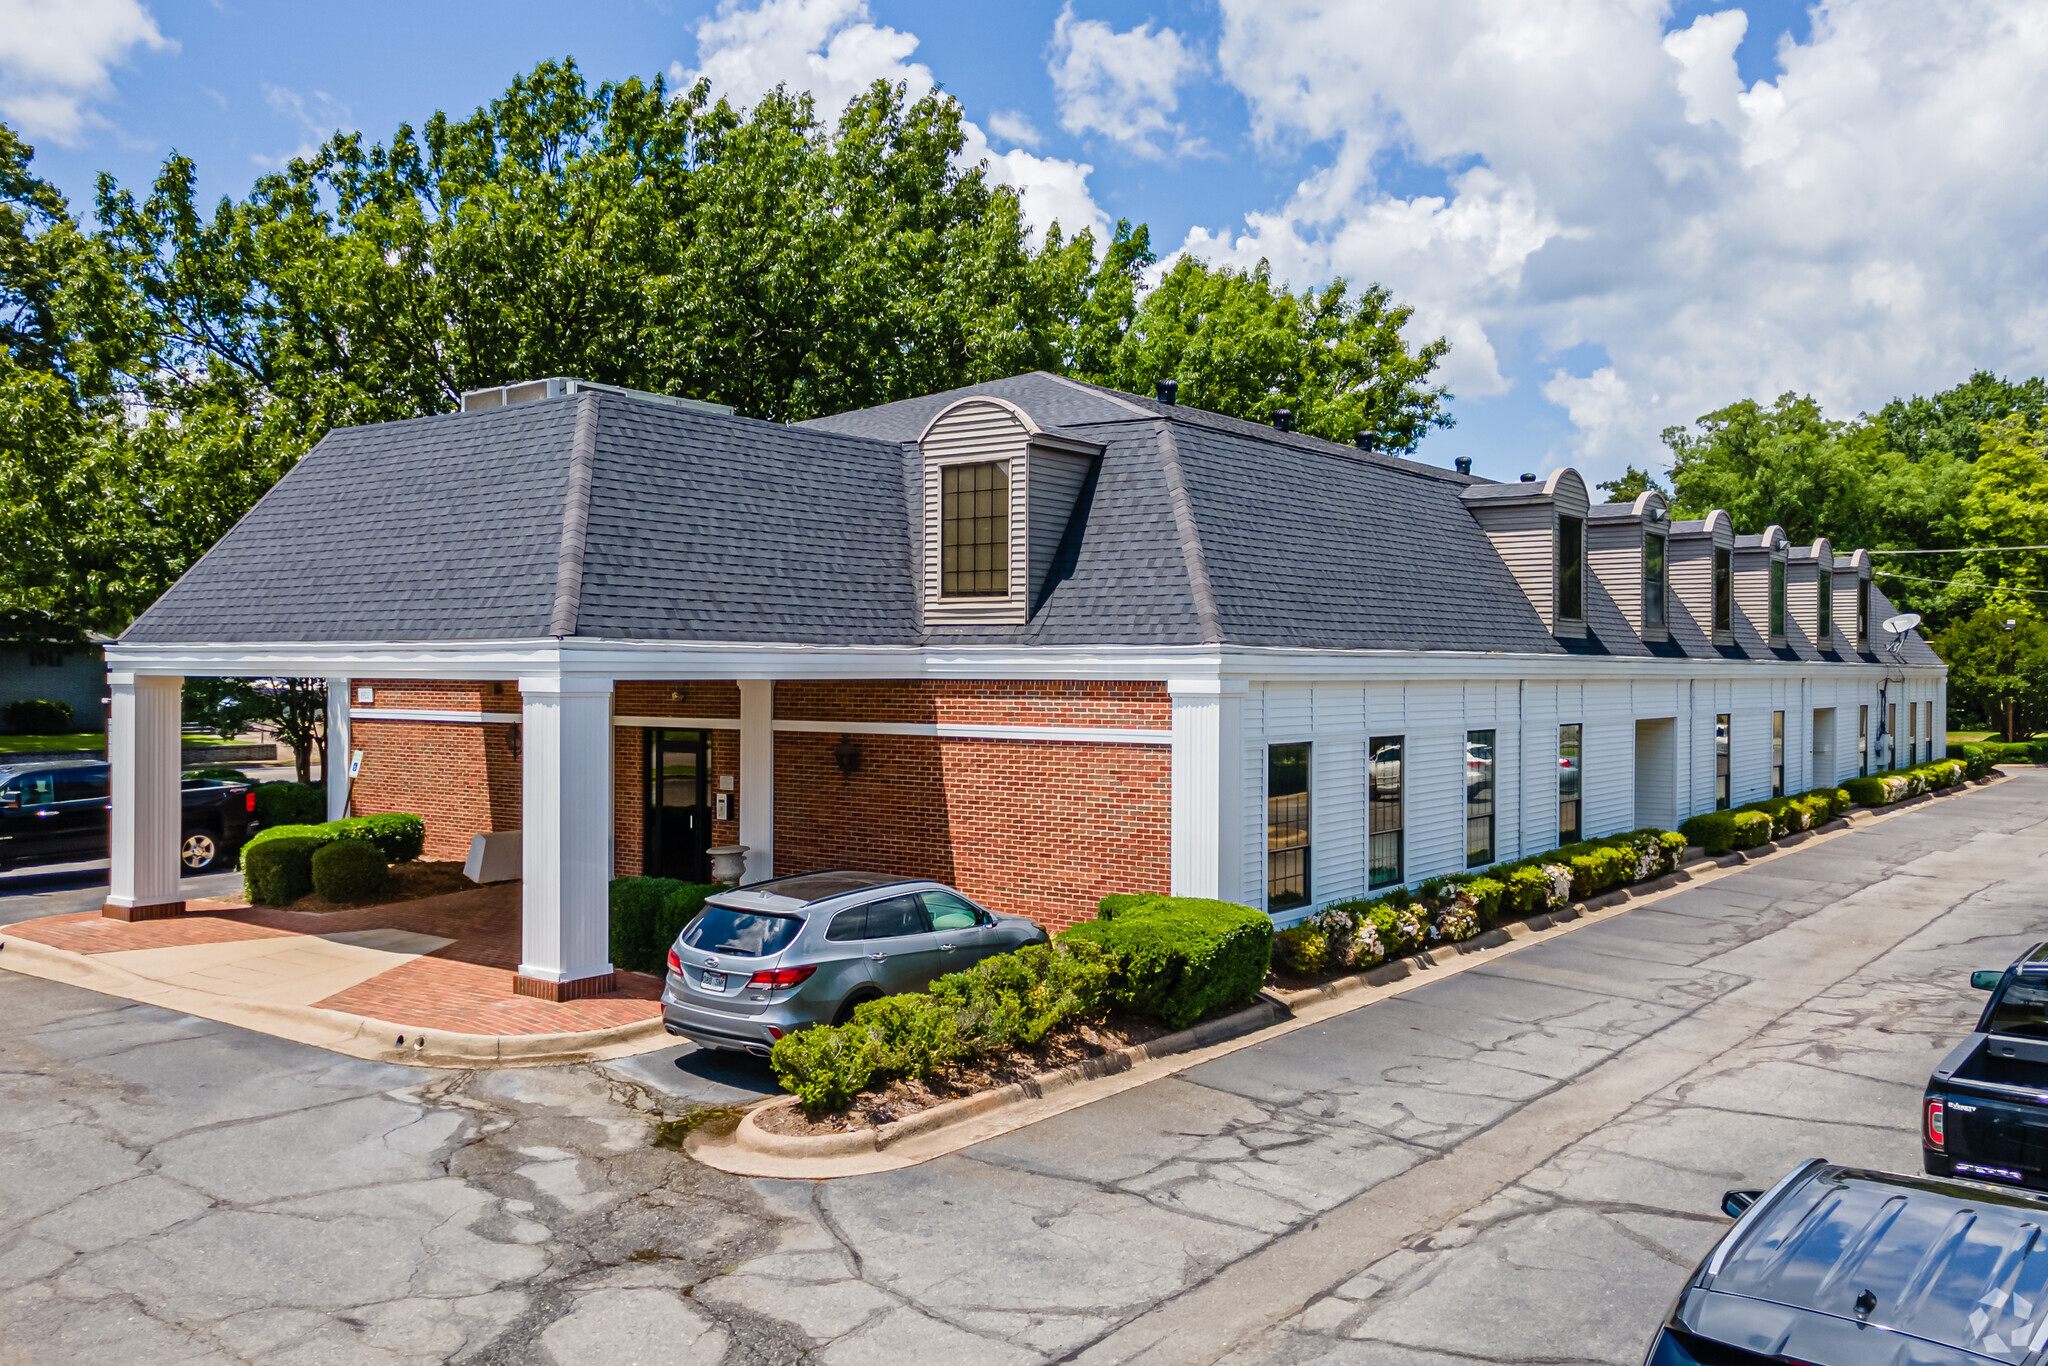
(84, 739)
(1965, 737)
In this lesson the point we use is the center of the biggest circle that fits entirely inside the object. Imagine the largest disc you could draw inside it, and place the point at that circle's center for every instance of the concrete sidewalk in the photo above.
(427, 981)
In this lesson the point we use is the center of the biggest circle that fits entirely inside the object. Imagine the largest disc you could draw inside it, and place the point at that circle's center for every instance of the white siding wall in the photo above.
(1055, 486)
(1432, 717)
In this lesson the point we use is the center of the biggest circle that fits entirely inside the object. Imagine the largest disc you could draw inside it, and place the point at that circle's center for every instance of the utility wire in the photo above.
(1895, 574)
(1963, 550)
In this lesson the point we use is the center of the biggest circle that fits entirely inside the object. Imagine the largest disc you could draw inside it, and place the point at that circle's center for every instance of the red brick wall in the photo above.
(995, 702)
(687, 697)
(460, 777)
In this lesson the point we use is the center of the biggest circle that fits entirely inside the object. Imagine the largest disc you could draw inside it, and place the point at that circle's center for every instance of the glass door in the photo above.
(678, 819)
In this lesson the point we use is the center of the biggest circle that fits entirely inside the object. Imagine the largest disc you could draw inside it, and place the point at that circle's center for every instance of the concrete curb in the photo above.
(356, 1036)
(975, 1119)
(752, 1138)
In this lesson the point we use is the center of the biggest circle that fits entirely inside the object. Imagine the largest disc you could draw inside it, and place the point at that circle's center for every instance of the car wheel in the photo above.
(202, 852)
(847, 1007)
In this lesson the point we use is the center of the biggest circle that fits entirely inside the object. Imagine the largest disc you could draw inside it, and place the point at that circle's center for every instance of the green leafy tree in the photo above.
(1633, 484)
(1952, 422)
(1998, 668)
(1239, 344)
(295, 708)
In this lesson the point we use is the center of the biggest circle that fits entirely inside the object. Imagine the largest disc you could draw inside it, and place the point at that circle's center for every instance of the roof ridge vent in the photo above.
(560, 386)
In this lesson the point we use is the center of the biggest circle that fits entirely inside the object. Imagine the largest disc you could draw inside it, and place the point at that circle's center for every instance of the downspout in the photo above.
(1522, 806)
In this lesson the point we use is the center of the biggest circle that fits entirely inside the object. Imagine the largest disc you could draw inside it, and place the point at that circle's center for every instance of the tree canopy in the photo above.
(162, 368)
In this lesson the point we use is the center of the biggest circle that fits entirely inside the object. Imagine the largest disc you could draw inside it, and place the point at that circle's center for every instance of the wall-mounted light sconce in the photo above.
(512, 740)
(847, 754)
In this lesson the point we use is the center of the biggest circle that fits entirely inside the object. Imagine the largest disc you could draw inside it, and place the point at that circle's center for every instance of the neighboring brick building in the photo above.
(1034, 638)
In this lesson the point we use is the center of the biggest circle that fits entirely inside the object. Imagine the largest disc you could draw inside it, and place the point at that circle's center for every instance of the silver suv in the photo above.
(762, 961)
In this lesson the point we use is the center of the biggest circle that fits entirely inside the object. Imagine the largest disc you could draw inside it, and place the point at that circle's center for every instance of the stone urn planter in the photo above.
(728, 862)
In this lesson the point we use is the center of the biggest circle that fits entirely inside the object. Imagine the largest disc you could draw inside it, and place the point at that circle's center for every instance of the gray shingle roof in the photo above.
(624, 519)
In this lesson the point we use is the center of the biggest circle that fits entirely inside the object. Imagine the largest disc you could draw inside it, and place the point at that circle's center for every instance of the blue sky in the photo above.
(1621, 215)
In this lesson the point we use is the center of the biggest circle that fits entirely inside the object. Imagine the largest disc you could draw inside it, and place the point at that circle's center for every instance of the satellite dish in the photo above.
(1902, 623)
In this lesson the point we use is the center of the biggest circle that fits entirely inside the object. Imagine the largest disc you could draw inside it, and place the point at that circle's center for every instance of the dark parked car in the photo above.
(58, 813)
(1985, 1115)
(1836, 1266)
(782, 955)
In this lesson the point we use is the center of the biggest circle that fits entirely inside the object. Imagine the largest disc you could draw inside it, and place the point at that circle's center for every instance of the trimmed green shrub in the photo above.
(319, 834)
(217, 775)
(1178, 959)
(1009, 1000)
(1597, 868)
(1528, 890)
(348, 870)
(1977, 759)
(400, 835)
(1397, 924)
(1713, 831)
(647, 913)
(1117, 902)
(279, 871)
(1487, 893)
(1302, 950)
(37, 716)
(1014, 998)
(825, 1068)
(290, 803)
(1751, 828)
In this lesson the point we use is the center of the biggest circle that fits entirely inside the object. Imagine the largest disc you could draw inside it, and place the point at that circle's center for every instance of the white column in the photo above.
(757, 777)
(335, 775)
(566, 832)
(143, 738)
(1208, 737)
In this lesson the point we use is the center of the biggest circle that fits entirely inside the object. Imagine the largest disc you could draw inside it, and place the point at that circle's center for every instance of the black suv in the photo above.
(58, 813)
(1841, 1266)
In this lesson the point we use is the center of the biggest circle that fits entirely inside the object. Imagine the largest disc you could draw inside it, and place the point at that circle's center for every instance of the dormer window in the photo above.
(1827, 607)
(1571, 568)
(1724, 586)
(1777, 599)
(974, 530)
(1653, 582)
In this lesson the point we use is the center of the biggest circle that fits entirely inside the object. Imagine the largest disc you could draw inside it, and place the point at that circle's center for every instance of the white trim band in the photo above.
(467, 718)
(943, 730)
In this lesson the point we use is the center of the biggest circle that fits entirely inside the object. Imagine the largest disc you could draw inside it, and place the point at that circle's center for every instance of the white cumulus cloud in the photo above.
(57, 58)
(835, 50)
(1866, 222)
(1125, 86)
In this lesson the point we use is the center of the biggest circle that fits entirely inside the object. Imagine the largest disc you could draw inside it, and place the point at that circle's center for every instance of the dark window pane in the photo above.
(1478, 797)
(1777, 598)
(1653, 581)
(742, 933)
(37, 789)
(2022, 1010)
(974, 531)
(949, 912)
(896, 917)
(1287, 826)
(1385, 817)
(1721, 739)
(81, 784)
(1777, 754)
(1827, 604)
(1571, 566)
(1862, 611)
(1568, 778)
(1722, 585)
(849, 925)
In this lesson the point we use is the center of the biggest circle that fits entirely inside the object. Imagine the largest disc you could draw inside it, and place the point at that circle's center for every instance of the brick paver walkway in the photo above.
(463, 988)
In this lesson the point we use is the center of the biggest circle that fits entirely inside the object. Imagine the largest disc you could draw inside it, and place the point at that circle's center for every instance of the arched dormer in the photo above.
(1810, 593)
(1760, 586)
(1702, 574)
(999, 489)
(1539, 532)
(1628, 553)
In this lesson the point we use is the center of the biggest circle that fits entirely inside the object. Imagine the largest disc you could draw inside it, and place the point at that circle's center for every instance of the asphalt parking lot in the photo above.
(1518, 1163)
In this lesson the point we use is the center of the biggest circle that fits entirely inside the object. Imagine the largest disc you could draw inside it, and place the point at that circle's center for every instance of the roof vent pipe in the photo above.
(1167, 389)
(1463, 464)
(1528, 478)
(1283, 419)
(1362, 440)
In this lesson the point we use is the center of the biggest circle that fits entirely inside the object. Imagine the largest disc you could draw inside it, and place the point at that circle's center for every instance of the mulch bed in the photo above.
(1070, 1043)
(413, 881)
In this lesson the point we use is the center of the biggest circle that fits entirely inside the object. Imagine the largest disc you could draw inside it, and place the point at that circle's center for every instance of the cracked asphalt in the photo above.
(1519, 1163)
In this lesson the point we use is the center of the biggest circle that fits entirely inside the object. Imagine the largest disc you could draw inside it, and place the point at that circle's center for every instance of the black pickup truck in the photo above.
(58, 813)
(1985, 1116)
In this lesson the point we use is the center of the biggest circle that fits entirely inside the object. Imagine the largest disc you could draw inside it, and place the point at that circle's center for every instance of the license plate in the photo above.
(713, 981)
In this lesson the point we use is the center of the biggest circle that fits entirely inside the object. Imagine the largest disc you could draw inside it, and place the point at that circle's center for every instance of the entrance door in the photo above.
(678, 817)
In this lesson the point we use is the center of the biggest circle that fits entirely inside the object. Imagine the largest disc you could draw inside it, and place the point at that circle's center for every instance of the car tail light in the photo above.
(249, 802)
(773, 1032)
(675, 961)
(1934, 1122)
(779, 979)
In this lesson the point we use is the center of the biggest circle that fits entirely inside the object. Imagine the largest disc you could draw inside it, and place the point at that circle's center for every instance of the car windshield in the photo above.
(747, 934)
(2022, 1010)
